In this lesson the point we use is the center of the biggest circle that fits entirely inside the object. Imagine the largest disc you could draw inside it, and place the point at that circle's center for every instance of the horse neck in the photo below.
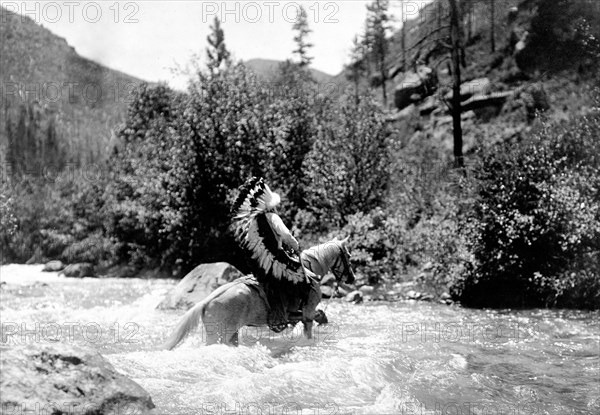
(321, 257)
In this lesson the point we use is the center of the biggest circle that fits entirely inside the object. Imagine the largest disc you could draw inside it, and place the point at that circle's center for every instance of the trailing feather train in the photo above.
(273, 251)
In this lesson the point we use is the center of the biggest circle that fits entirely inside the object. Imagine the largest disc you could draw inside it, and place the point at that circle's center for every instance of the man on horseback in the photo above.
(274, 251)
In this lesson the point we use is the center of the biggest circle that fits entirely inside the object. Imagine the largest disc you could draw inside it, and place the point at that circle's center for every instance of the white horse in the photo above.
(243, 303)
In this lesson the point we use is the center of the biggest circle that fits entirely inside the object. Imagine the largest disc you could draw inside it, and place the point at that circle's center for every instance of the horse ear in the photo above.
(345, 240)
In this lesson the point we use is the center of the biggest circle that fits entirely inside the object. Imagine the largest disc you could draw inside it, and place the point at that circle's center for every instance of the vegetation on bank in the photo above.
(518, 226)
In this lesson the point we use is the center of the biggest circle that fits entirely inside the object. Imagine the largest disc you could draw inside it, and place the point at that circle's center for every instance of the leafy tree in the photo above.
(294, 113)
(564, 32)
(348, 166)
(142, 209)
(217, 53)
(302, 44)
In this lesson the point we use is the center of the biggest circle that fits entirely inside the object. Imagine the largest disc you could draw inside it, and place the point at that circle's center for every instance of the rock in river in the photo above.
(60, 378)
(53, 266)
(79, 270)
(198, 283)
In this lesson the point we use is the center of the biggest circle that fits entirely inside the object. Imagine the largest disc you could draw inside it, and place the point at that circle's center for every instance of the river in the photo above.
(374, 358)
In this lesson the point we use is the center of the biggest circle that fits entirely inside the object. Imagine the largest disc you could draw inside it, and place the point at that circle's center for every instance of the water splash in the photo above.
(372, 358)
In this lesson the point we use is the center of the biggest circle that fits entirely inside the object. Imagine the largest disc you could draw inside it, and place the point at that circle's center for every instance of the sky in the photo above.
(158, 40)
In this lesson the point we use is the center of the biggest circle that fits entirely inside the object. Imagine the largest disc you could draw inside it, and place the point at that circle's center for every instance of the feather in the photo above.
(253, 232)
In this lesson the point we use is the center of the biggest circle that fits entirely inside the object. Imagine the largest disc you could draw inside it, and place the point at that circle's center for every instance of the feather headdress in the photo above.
(253, 231)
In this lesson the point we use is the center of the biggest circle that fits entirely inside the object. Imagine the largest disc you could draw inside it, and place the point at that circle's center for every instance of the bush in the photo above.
(49, 215)
(387, 248)
(565, 33)
(376, 244)
(347, 169)
(535, 225)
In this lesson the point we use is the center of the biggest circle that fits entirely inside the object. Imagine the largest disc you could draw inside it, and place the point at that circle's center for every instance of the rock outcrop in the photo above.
(415, 86)
(59, 378)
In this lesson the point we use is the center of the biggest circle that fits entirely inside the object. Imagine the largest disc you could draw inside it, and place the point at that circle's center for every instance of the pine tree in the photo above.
(376, 38)
(357, 68)
(217, 52)
(302, 44)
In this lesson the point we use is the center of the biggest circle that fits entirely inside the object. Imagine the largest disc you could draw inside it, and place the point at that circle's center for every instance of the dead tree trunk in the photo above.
(383, 75)
(455, 103)
(403, 33)
(492, 25)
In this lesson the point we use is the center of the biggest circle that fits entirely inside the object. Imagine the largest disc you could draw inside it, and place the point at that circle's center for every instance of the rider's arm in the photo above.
(282, 232)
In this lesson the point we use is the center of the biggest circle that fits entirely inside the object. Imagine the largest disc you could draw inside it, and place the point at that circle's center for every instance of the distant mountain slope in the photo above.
(40, 71)
(267, 68)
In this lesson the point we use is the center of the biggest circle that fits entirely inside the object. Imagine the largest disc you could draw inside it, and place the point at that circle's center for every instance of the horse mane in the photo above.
(324, 253)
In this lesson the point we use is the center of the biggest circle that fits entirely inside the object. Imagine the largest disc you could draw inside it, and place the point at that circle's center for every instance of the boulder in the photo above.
(413, 295)
(341, 292)
(121, 271)
(197, 284)
(408, 113)
(53, 266)
(367, 289)
(496, 99)
(430, 104)
(415, 86)
(399, 286)
(355, 297)
(81, 270)
(426, 297)
(479, 86)
(327, 291)
(60, 378)
(392, 295)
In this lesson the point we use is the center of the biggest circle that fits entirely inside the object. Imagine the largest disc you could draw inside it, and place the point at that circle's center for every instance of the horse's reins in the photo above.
(337, 286)
(329, 299)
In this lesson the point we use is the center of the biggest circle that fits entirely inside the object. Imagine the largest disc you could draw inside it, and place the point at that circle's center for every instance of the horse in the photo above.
(242, 303)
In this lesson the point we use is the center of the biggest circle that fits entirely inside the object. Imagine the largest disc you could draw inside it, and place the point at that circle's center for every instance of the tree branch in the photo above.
(424, 38)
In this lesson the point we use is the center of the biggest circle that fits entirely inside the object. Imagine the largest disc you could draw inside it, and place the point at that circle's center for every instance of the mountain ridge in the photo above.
(41, 72)
(267, 68)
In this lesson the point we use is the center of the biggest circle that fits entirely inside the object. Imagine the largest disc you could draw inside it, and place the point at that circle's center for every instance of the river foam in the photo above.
(375, 358)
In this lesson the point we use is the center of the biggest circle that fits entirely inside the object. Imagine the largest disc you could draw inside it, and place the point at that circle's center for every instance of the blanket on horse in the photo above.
(283, 301)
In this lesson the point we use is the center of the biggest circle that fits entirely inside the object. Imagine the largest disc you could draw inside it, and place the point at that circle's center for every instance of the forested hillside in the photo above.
(58, 108)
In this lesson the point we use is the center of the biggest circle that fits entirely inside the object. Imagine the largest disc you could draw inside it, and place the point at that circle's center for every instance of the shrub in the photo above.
(376, 244)
(347, 169)
(535, 225)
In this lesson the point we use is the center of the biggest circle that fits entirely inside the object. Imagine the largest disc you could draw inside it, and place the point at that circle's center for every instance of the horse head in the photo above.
(341, 266)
